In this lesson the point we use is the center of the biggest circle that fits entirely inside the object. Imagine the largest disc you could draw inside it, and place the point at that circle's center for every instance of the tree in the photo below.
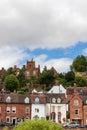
(38, 124)
(7, 72)
(70, 76)
(11, 83)
(10, 70)
(22, 79)
(80, 81)
(79, 64)
(46, 77)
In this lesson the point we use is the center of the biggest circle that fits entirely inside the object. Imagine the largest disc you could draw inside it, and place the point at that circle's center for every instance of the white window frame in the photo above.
(8, 99)
(8, 119)
(26, 100)
(53, 100)
(13, 109)
(58, 100)
(8, 109)
(37, 100)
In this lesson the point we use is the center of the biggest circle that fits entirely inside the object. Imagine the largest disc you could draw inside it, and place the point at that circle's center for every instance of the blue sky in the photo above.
(52, 32)
(70, 52)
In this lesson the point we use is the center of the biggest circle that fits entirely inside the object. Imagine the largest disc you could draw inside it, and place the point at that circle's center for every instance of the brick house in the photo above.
(78, 105)
(14, 107)
(76, 109)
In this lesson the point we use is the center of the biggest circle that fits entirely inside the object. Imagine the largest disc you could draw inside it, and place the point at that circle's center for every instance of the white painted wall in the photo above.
(42, 110)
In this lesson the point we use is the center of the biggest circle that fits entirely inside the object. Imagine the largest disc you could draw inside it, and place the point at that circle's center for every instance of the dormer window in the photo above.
(37, 100)
(58, 100)
(8, 99)
(53, 100)
(26, 100)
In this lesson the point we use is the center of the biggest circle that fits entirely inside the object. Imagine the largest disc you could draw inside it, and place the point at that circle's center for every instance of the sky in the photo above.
(52, 32)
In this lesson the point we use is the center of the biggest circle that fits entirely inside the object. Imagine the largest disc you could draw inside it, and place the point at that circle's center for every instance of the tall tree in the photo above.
(79, 64)
(22, 79)
(46, 77)
(11, 83)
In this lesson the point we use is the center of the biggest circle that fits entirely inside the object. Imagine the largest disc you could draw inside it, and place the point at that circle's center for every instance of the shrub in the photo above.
(38, 124)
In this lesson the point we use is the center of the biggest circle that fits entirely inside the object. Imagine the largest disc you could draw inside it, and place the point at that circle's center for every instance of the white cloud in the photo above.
(11, 56)
(61, 65)
(40, 24)
(43, 23)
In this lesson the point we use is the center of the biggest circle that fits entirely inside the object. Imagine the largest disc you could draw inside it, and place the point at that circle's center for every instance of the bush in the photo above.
(39, 124)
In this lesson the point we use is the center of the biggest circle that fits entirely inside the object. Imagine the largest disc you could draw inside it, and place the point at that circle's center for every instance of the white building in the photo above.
(56, 106)
(38, 111)
(38, 106)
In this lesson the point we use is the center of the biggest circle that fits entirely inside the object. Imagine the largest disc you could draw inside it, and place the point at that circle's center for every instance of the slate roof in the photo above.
(15, 97)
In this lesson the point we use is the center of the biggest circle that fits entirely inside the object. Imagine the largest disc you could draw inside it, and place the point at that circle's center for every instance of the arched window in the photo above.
(58, 100)
(26, 100)
(37, 100)
(53, 100)
(8, 99)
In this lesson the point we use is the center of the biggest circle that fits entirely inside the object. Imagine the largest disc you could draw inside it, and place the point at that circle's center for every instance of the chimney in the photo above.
(75, 89)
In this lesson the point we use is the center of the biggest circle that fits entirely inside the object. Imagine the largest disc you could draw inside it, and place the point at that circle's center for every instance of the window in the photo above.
(36, 110)
(76, 112)
(8, 99)
(27, 110)
(76, 102)
(8, 109)
(7, 119)
(54, 100)
(58, 100)
(37, 100)
(13, 109)
(26, 100)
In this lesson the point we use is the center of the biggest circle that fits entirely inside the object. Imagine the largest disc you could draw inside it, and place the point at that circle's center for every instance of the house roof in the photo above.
(15, 97)
(50, 96)
(80, 90)
(57, 89)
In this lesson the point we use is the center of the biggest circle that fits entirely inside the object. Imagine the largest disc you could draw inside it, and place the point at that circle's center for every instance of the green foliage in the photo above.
(46, 77)
(70, 76)
(22, 79)
(10, 70)
(80, 81)
(11, 83)
(79, 64)
(40, 124)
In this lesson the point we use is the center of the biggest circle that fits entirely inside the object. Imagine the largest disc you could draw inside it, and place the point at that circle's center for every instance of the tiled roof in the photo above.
(16, 98)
